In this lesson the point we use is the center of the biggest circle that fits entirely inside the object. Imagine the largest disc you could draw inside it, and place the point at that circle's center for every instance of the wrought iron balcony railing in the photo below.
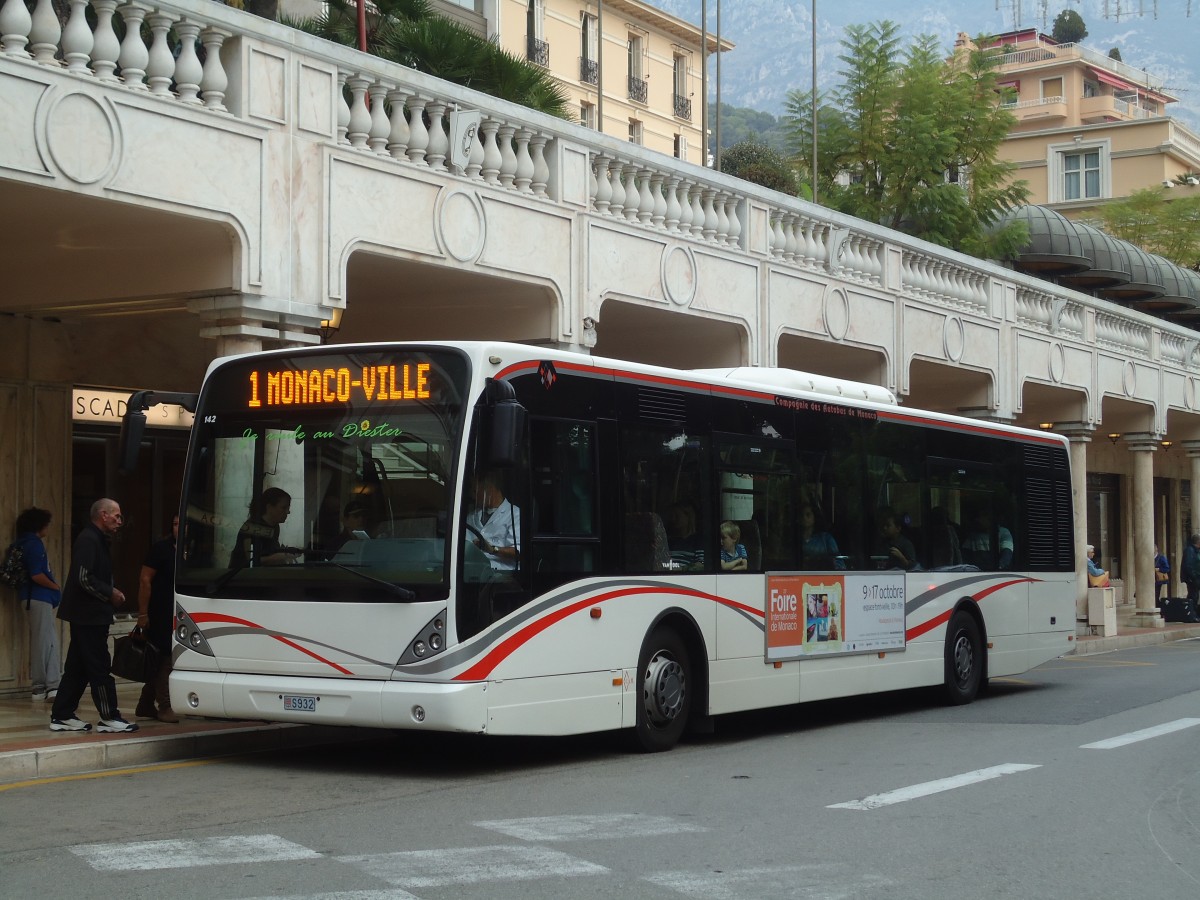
(538, 51)
(683, 106)
(638, 91)
(589, 70)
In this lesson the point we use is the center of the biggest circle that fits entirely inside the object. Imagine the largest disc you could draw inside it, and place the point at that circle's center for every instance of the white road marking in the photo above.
(218, 851)
(805, 882)
(1144, 735)
(875, 801)
(471, 865)
(572, 828)
(392, 894)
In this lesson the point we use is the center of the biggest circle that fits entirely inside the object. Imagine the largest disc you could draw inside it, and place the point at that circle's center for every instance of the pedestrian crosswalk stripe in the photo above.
(590, 828)
(875, 801)
(414, 869)
(1144, 735)
(817, 881)
(183, 854)
(387, 894)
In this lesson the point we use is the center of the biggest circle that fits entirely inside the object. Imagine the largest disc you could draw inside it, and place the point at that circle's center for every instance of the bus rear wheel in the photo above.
(664, 684)
(964, 659)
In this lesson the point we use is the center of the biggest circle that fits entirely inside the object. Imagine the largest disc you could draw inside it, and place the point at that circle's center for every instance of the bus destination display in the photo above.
(341, 385)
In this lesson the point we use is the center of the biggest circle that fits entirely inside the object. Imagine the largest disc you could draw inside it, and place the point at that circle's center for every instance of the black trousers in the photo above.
(88, 663)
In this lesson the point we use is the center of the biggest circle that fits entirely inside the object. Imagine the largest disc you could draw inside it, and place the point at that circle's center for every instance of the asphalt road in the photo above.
(1080, 779)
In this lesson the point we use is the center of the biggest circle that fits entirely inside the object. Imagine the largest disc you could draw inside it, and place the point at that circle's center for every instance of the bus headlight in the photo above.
(428, 642)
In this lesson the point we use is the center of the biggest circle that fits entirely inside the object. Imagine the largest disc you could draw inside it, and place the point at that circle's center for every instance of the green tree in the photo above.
(1170, 228)
(1069, 27)
(740, 124)
(910, 140)
(756, 162)
(1115, 53)
(410, 33)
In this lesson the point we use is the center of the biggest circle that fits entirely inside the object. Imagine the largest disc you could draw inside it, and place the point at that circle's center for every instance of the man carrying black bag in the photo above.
(156, 601)
(89, 598)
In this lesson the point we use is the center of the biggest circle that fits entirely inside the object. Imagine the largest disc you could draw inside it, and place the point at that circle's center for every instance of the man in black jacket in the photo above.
(89, 598)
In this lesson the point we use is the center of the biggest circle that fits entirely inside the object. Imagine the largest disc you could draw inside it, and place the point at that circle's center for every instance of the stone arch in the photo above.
(822, 356)
(395, 298)
(666, 337)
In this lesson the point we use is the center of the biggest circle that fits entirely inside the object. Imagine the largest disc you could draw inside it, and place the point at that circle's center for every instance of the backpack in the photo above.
(13, 571)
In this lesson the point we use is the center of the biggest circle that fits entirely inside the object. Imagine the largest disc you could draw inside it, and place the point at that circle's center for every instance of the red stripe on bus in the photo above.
(917, 630)
(506, 647)
(233, 620)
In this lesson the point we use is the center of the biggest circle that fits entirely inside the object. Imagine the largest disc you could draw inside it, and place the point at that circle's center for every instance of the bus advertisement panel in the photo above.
(833, 613)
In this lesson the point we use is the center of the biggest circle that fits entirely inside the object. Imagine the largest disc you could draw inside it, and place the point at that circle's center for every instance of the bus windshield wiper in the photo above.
(217, 583)
(402, 592)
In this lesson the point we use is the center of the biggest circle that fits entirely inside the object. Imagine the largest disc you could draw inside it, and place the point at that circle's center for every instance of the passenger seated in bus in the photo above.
(818, 549)
(497, 522)
(686, 546)
(354, 524)
(733, 554)
(977, 545)
(258, 539)
(896, 551)
(942, 540)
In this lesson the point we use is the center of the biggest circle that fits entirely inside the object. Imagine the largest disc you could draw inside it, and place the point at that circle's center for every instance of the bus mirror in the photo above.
(133, 426)
(507, 425)
(133, 423)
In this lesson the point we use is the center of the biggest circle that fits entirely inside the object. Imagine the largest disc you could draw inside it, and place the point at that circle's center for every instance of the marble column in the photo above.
(1141, 567)
(1080, 436)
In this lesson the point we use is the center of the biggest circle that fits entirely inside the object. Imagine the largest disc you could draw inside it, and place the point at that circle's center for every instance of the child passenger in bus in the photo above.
(733, 554)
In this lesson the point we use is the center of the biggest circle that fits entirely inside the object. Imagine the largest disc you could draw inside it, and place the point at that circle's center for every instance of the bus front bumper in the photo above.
(327, 701)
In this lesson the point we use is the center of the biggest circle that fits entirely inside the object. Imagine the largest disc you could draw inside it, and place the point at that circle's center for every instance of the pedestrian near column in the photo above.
(156, 602)
(41, 595)
(1189, 569)
(89, 598)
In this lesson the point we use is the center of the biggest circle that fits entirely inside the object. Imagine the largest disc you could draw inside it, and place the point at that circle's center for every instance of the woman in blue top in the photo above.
(41, 594)
(818, 549)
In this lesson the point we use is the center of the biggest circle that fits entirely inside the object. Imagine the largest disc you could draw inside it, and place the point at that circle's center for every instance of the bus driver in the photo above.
(497, 523)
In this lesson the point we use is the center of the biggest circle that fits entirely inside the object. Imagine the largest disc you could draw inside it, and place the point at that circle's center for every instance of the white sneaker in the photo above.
(115, 726)
(71, 724)
(52, 694)
(39, 695)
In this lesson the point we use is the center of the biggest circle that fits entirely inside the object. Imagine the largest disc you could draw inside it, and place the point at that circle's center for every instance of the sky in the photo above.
(773, 38)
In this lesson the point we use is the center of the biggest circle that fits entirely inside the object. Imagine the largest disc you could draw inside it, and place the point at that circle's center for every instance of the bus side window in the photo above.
(565, 540)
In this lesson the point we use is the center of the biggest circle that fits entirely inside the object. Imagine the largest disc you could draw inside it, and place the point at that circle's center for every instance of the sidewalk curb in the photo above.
(96, 753)
(1149, 638)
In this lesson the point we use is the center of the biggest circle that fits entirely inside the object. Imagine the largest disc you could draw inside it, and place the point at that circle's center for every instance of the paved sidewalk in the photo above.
(29, 750)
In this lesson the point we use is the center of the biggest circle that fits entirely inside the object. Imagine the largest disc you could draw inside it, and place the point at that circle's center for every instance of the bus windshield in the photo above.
(324, 475)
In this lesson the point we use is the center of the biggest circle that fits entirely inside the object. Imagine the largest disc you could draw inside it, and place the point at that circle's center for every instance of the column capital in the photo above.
(1075, 432)
(1141, 442)
(1192, 448)
(987, 414)
(257, 317)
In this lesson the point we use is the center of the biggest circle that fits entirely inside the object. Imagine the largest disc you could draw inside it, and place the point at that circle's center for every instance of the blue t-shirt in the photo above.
(739, 552)
(37, 563)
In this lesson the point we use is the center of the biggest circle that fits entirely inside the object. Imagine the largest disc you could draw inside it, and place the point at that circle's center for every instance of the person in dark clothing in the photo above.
(89, 598)
(156, 612)
(258, 540)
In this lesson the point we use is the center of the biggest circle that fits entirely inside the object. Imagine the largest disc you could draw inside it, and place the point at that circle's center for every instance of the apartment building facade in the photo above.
(1090, 128)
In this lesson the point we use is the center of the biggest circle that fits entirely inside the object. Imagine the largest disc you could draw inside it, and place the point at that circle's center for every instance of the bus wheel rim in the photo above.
(964, 659)
(664, 689)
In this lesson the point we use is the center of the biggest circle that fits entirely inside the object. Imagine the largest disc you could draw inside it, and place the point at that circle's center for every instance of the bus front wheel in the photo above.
(964, 659)
(664, 684)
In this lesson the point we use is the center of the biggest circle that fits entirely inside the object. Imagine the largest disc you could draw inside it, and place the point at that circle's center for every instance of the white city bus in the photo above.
(333, 568)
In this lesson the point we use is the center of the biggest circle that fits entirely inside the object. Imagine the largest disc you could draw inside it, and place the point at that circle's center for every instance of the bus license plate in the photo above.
(299, 703)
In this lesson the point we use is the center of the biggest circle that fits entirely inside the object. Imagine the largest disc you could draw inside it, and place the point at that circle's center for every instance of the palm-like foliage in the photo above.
(902, 122)
(409, 33)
